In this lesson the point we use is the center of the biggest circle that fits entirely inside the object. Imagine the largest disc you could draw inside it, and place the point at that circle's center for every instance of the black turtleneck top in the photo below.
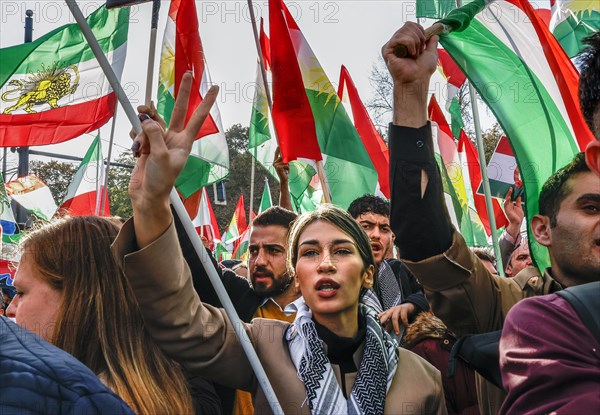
(341, 349)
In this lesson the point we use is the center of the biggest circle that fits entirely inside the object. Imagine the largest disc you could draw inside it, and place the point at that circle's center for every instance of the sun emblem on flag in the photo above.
(47, 86)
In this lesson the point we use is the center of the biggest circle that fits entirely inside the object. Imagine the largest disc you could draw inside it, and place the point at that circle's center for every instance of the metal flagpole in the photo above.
(110, 146)
(99, 167)
(185, 218)
(486, 184)
(251, 189)
(152, 51)
(484, 177)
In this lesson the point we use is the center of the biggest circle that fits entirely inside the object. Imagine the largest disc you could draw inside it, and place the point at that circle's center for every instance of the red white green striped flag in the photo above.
(200, 209)
(348, 168)
(85, 193)
(182, 51)
(53, 89)
(527, 80)
(572, 21)
(376, 147)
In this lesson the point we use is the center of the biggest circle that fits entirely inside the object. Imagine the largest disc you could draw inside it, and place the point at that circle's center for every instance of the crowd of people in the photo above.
(349, 312)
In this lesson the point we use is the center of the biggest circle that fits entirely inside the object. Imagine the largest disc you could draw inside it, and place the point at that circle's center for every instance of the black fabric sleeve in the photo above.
(421, 224)
(242, 296)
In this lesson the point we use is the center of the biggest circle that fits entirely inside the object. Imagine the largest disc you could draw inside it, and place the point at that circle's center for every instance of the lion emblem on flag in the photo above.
(47, 86)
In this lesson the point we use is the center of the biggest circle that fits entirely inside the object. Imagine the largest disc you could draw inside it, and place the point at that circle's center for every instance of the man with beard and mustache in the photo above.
(396, 295)
(265, 293)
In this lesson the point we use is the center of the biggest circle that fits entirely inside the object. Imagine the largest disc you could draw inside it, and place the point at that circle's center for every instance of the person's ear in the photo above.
(592, 156)
(541, 229)
(368, 277)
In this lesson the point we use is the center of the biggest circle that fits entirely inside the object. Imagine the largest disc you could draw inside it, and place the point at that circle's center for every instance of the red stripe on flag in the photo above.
(265, 46)
(435, 114)
(464, 144)
(504, 147)
(189, 56)
(374, 144)
(57, 125)
(451, 70)
(84, 205)
(564, 72)
(292, 114)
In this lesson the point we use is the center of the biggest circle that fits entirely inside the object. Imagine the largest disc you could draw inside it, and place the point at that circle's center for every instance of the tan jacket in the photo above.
(469, 299)
(202, 338)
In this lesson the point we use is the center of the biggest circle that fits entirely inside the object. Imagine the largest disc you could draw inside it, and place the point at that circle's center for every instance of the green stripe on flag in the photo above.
(66, 45)
(348, 167)
(540, 138)
(435, 9)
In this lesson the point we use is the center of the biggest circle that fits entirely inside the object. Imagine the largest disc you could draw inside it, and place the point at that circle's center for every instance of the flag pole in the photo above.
(152, 52)
(108, 158)
(238, 326)
(98, 169)
(486, 184)
(483, 167)
(253, 168)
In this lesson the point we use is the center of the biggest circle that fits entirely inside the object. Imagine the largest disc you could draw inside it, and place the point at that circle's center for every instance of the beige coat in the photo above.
(202, 338)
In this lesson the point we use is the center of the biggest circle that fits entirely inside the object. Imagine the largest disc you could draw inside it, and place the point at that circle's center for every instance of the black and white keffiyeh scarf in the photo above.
(323, 393)
(388, 287)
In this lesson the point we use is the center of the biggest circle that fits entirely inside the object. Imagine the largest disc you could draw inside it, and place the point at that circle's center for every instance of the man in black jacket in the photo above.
(396, 294)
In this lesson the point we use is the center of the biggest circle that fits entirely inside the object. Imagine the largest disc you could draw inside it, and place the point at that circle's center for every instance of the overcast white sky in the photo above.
(349, 32)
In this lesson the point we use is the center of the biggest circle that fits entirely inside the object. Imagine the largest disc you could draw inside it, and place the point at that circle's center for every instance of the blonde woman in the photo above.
(72, 293)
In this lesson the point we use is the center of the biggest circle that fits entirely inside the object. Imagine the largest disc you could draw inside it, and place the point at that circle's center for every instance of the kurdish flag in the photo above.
(527, 80)
(265, 201)
(182, 51)
(376, 147)
(572, 21)
(349, 170)
(85, 193)
(263, 146)
(260, 143)
(53, 89)
(453, 179)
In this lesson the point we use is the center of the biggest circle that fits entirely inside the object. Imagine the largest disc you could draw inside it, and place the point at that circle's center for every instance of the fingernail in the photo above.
(144, 117)
(135, 147)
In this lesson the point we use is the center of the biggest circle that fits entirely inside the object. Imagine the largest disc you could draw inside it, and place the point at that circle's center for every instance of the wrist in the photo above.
(513, 231)
(410, 104)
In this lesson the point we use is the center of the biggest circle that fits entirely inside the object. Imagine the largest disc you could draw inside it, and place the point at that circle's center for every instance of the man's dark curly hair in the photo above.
(589, 80)
(555, 190)
(275, 215)
(369, 204)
